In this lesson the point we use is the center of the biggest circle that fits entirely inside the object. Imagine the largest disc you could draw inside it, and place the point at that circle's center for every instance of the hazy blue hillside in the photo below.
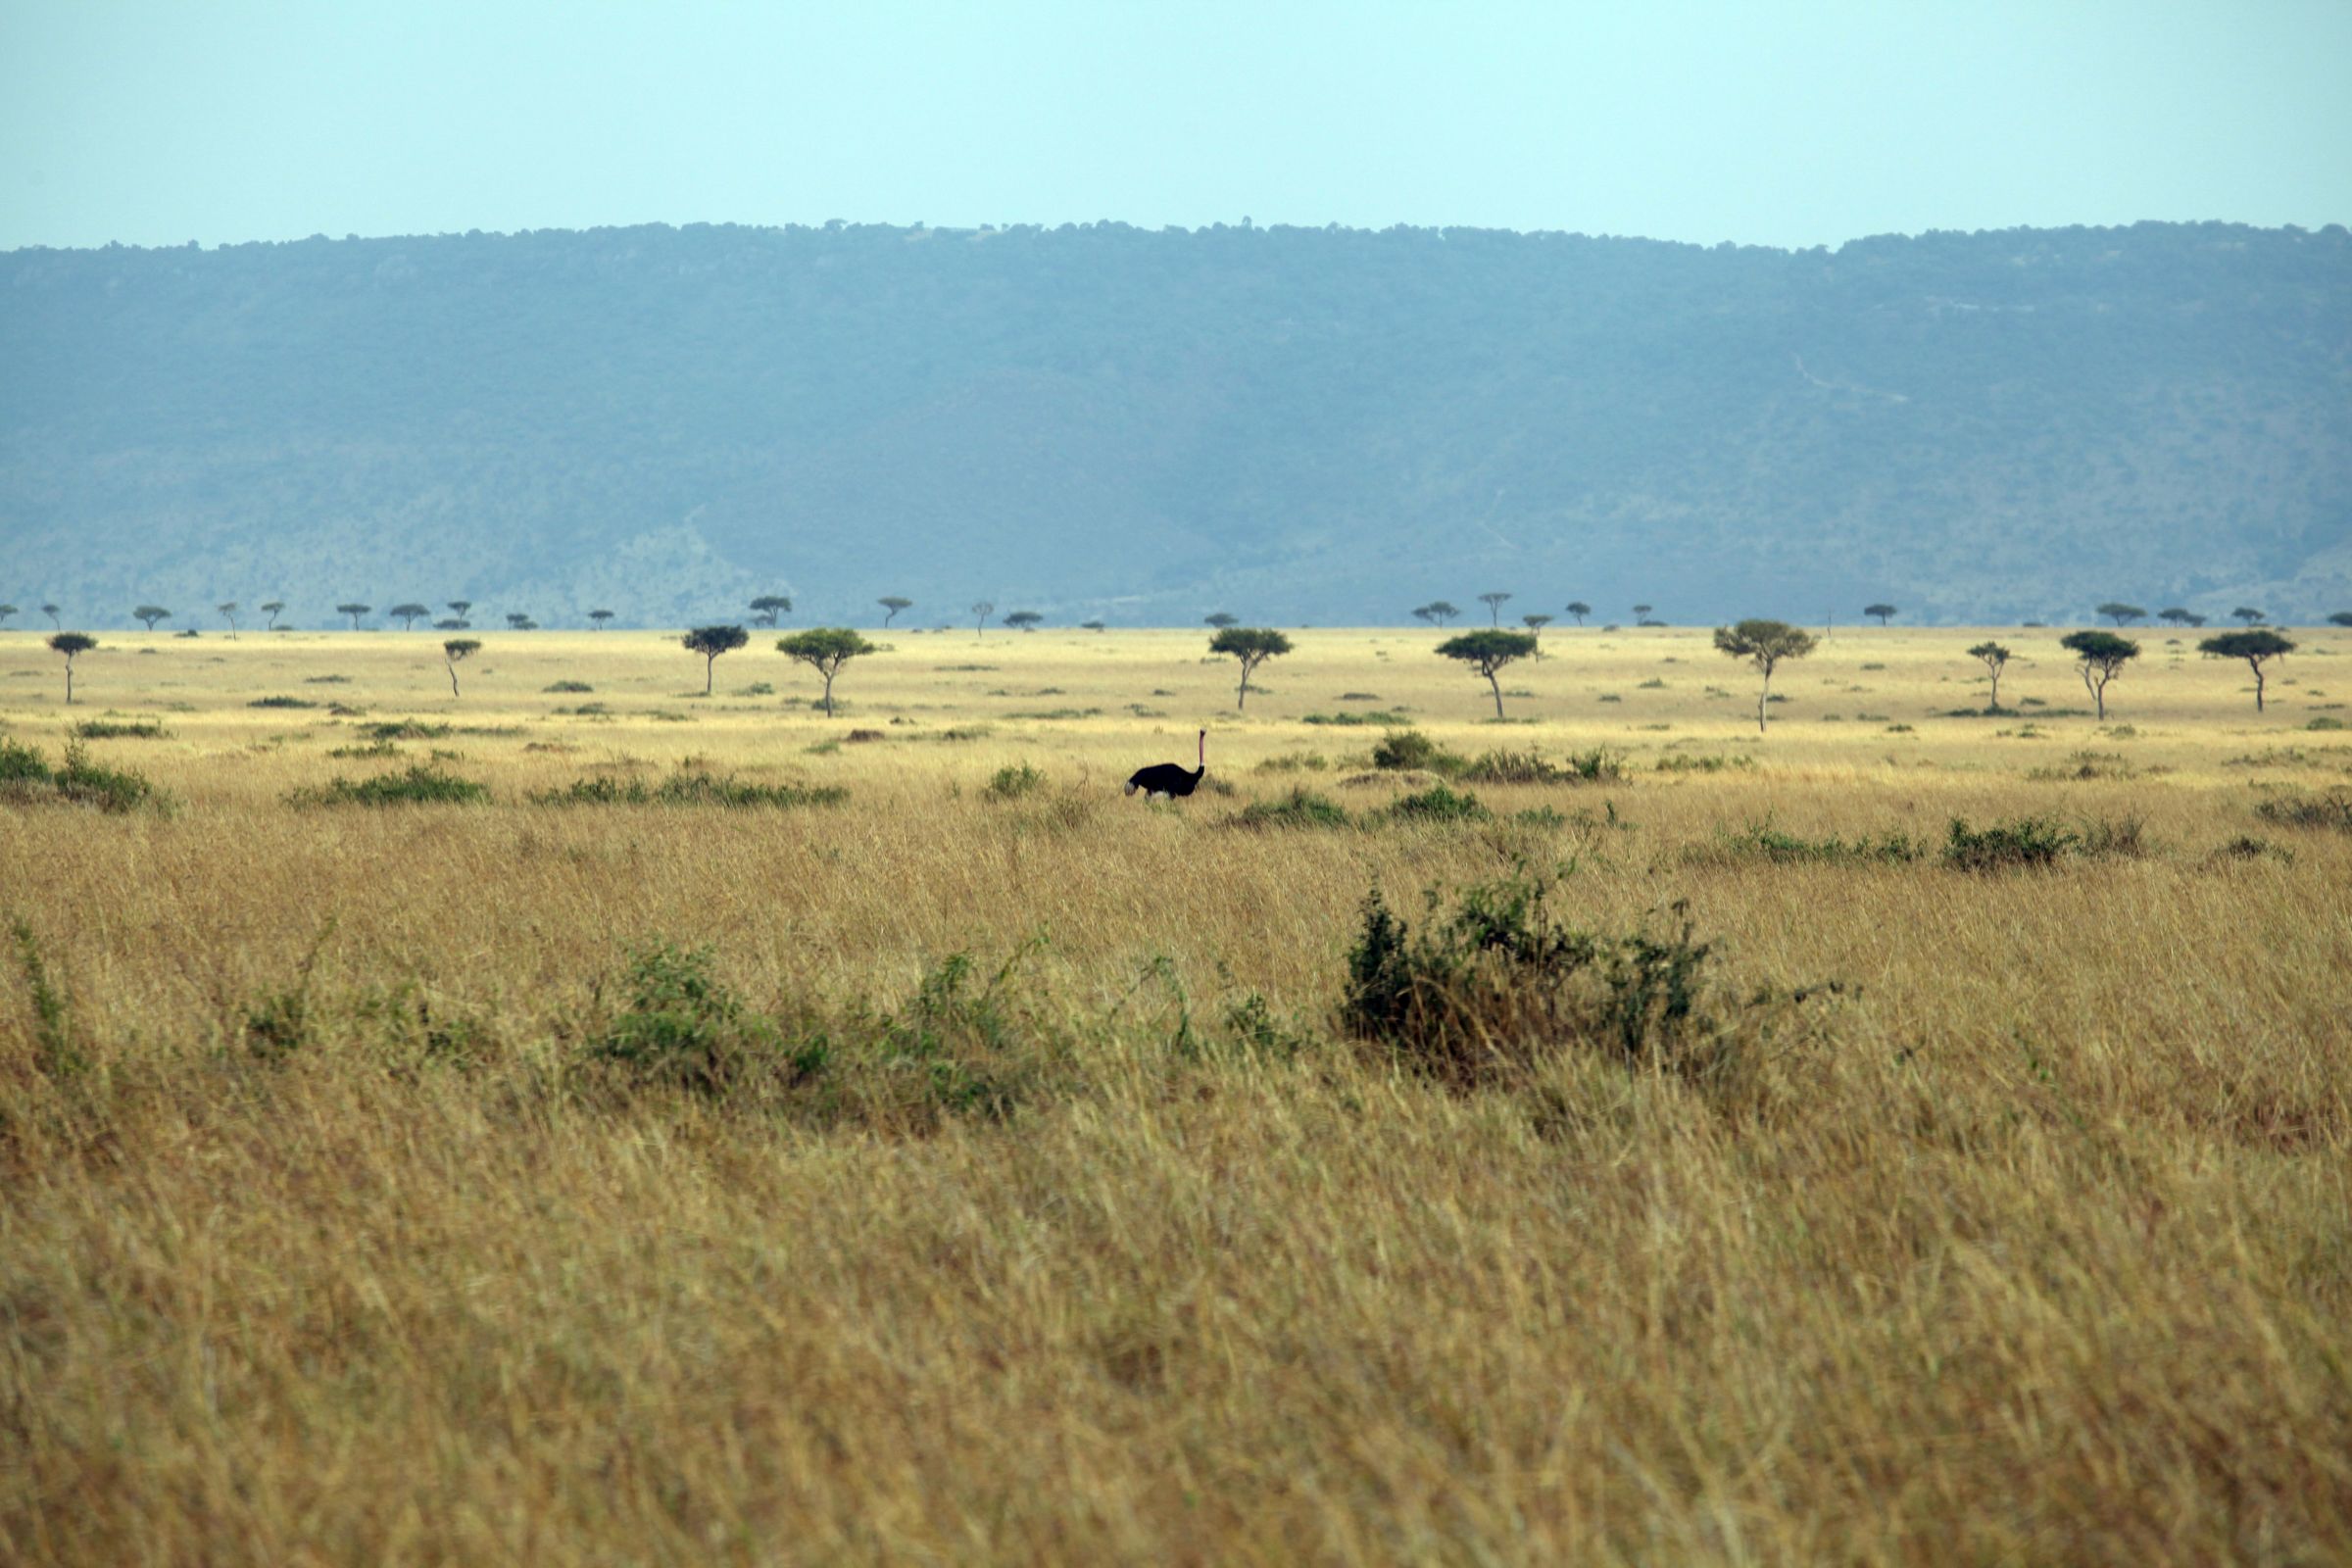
(1316, 425)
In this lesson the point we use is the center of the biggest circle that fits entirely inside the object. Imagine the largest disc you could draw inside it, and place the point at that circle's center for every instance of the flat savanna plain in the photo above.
(381, 1186)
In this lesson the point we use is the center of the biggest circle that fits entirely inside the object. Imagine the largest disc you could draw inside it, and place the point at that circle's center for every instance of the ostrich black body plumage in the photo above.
(1166, 778)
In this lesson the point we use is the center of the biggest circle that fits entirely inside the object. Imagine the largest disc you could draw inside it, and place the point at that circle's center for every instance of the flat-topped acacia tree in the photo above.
(825, 649)
(982, 608)
(229, 613)
(2121, 614)
(1580, 610)
(710, 642)
(1995, 658)
(1885, 612)
(355, 609)
(1765, 644)
(458, 608)
(1535, 625)
(70, 644)
(2180, 617)
(1494, 603)
(56, 625)
(151, 613)
(767, 607)
(893, 604)
(2342, 617)
(1487, 652)
(2099, 657)
(1221, 620)
(1023, 620)
(2256, 646)
(1252, 646)
(597, 620)
(408, 615)
(2248, 613)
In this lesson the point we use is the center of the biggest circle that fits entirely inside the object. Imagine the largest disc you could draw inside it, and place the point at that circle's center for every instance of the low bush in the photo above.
(689, 787)
(1439, 803)
(281, 701)
(1404, 749)
(567, 686)
(1301, 807)
(1377, 718)
(679, 1025)
(1762, 841)
(1013, 781)
(2332, 809)
(2028, 843)
(25, 777)
(1488, 988)
(404, 729)
(1599, 765)
(423, 784)
(1678, 764)
(123, 729)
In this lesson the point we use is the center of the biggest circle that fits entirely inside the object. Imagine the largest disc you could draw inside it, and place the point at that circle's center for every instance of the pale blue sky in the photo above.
(1780, 124)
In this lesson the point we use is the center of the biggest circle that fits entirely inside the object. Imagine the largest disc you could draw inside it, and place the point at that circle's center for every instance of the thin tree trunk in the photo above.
(1763, 697)
(2257, 688)
(828, 694)
(707, 670)
(1498, 689)
(68, 683)
(453, 680)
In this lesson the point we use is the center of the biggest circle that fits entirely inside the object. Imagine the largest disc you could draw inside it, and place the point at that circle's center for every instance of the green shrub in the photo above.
(79, 782)
(404, 729)
(1379, 718)
(423, 784)
(1014, 781)
(111, 729)
(1490, 987)
(2332, 809)
(1401, 750)
(2030, 841)
(2323, 721)
(1678, 764)
(1599, 765)
(567, 686)
(689, 787)
(679, 1025)
(1762, 841)
(281, 701)
(1439, 803)
(1301, 808)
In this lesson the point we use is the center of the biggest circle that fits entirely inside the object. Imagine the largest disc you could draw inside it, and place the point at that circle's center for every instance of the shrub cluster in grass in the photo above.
(423, 784)
(121, 729)
(1301, 807)
(2028, 843)
(1293, 762)
(404, 729)
(1013, 781)
(689, 787)
(2085, 764)
(1438, 803)
(567, 686)
(27, 778)
(1676, 762)
(2333, 809)
(281, 701)
(1378, 717)
(372, 751)
(1762, 841)
(956, 1047)
(1408, 749)
(1489, 988)
(1596, 766)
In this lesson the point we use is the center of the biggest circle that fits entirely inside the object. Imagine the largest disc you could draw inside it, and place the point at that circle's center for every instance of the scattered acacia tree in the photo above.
(1995, 658)
(2176, 615)
(408, 615)
(461, 608)
(1641, 613)
(1252, 646)
(456, 652)
(2121, 614)
(56, 625)
(893, 603)
(1766, 645)
(520, 620)
(6, 611)
(713, 640)
(1885, 612)
(1441, 611)
(1535, 625)
(770, 606)
(71, 642)
(1023, 620)
(1580, 610)
(354, 611)
(274, 609)
(1091, 625)
(2100, 656)
(1487, 652)
(151, 613)
(598, 618)
(451, 623)
(825, 649)
(2342, 617)
(2247, 614)
(1494, 603)
(1221, 620)
(2254, 646)
(982, 608)
(229, 613)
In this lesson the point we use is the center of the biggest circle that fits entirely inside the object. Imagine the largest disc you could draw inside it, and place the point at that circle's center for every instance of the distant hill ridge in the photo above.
(1294, 424)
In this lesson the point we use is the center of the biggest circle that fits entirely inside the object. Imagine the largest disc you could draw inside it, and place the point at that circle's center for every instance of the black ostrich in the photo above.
(1166, 778)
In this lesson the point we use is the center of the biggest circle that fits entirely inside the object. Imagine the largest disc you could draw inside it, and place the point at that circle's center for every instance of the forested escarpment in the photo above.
(1295, 424)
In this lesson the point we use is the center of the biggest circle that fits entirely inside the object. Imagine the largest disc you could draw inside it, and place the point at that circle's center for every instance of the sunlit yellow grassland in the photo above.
(334, 1229)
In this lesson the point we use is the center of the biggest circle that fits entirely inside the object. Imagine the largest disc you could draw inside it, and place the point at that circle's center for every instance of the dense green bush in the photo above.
(689, 787)
(24, 776)
(1409, 749)
(2029, 842)
(423, 784)
(1301, 807)
(2332, 809)
(1439, 803)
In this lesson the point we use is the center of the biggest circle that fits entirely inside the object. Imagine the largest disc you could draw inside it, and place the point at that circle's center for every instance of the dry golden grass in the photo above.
(2034, 1246)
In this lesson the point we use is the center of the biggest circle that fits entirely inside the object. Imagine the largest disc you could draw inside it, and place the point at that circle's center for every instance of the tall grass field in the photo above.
(583, 1121)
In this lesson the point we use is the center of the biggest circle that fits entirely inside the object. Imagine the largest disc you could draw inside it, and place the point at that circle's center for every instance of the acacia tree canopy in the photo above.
(710, 642)
(2101, 657)
(2255, 647)
(1764, 644)
(825, 649)
(1252, 646)
(1487, 652)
